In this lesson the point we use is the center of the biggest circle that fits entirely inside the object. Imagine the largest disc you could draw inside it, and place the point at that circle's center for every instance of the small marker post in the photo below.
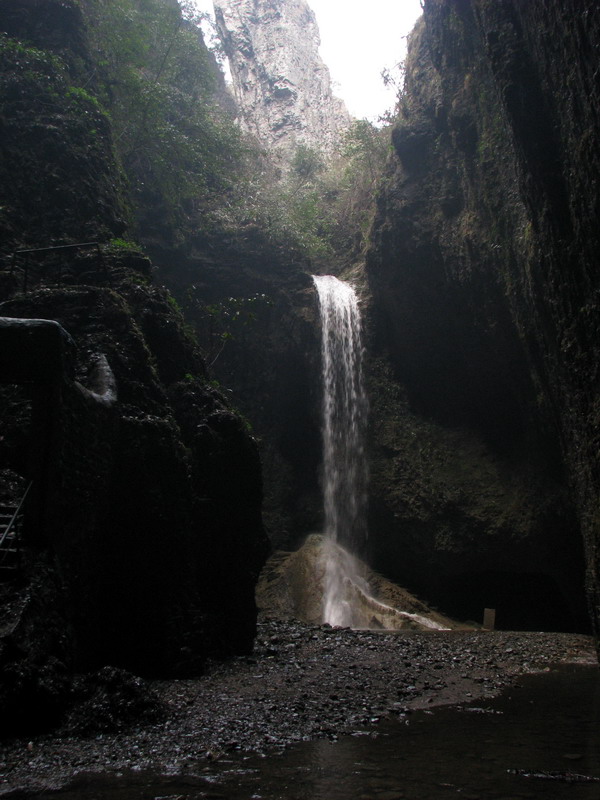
(489, 618)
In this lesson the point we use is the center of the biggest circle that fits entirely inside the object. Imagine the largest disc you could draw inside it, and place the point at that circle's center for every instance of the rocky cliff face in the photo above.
(147, 538)
(282, 87)
(137, 508)
(260, 296)
(484, 277)
(481, 301)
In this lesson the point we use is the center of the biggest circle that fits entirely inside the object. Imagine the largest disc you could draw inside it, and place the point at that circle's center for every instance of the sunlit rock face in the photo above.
(282, 86)
(292, 585)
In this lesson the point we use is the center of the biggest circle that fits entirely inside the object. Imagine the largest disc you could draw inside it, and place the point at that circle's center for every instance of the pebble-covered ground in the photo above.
(303, 682)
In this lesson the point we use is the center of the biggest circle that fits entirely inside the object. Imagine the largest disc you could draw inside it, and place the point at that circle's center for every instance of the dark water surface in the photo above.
(548, 723)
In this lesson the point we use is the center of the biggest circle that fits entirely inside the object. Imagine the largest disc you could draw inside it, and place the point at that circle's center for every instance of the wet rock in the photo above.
(485, 302)
(111, 700)
(262, 705)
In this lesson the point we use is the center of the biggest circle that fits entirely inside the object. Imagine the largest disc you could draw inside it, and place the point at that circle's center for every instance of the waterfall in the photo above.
(344, 463)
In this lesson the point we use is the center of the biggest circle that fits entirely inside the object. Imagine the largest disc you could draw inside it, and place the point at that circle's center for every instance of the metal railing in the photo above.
(26, 255)
(11, 526)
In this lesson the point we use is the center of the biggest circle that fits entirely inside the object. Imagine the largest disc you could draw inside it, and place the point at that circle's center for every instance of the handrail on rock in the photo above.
(15, 516)
(27, 253)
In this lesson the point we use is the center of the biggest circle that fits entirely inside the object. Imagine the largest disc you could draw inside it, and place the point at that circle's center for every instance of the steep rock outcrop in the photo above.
(145, 536)
(59, 178)
(254, 309)
(485, 296)
(147, 502)
(282, 87)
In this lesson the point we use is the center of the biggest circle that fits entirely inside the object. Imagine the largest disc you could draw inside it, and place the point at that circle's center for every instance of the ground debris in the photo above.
(568, 777)
(333, 682)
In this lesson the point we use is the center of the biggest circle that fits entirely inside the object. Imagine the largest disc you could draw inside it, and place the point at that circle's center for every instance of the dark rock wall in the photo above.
(59, 180)
(151, 504)
(263, 300)
(485, 284)
(147, 511)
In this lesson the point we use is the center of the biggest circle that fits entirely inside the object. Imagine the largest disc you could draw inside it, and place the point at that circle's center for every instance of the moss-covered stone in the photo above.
(59, 178)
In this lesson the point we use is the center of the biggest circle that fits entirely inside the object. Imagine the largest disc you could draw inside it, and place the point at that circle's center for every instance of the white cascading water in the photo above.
(344, 460)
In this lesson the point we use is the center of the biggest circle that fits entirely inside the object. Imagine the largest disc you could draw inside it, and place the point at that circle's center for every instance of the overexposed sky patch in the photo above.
(359, 39)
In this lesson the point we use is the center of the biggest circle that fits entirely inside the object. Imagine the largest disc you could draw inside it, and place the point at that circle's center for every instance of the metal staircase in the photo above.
(11, 522)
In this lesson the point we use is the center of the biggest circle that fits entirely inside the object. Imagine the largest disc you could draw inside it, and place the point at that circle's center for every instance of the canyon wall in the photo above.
(480, 300)
(482, 435)
(147, 537)
(484, 280)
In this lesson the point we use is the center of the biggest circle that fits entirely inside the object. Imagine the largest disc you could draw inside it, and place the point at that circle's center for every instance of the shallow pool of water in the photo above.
(548, 725)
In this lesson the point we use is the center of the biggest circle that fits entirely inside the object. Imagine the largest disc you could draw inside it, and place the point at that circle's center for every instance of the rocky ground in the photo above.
(303, 682)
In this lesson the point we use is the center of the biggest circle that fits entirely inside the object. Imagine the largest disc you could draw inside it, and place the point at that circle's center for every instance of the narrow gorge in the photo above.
(286, 392)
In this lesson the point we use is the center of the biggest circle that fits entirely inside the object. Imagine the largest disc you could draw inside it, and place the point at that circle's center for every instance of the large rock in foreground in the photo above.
(148, 503)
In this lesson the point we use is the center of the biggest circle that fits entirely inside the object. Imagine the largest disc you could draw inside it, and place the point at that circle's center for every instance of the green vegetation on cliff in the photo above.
(57, 173)
(120, 121)
(155, 77)
(321, 208)
(116, 103)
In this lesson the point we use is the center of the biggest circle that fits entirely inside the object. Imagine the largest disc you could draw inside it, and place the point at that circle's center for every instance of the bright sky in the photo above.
(358, 40)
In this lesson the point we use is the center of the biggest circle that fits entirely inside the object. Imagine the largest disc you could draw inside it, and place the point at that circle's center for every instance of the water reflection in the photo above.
(548, 724)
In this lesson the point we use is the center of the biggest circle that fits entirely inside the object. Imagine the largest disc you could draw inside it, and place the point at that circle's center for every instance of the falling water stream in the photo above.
(344, 461)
